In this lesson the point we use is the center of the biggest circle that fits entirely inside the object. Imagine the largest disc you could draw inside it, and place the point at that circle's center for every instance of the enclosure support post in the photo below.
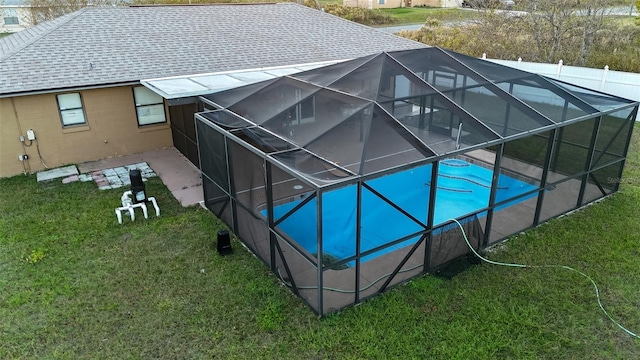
(492, 195)
(320, 263)
(272, 240)
(431, 112)
(366, 140)
(507, 113)
(543, 179)
(430, 214)
(362, 129)
(556, 149)
(423, 103)
(630, 119)
(587, 165)
(458, 136)
(232, 187)
(451, 123)
(358, 237)
(464, 92)
(565, 108)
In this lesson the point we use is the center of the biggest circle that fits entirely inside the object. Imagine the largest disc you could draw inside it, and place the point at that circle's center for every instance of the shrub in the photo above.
(359, 15)
(314, 4)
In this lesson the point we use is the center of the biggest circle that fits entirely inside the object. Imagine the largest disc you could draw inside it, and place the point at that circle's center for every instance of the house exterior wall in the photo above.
(10, 13)
(111, 130)
(389, 4)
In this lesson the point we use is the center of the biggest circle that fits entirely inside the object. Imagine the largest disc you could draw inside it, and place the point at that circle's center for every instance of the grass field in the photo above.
(75, 284)
(419, 15)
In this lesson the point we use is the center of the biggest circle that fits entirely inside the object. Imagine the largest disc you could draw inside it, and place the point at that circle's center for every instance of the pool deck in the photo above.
(556, 201)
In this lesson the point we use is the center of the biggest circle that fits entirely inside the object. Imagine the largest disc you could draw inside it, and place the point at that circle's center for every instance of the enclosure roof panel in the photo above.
(491, 71)
(175, 87)
(232, 96)
(387, 110)
(547, 98)
(263, 140)
(313, 168)
(328, 75)
(438, 68)
(472, 77)
(274, 99)
(598, 100)
(489, 105)
(225, 119)
(298, 125)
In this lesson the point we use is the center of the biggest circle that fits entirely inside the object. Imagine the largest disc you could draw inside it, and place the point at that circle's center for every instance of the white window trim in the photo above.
(70, 110)
(149, 108)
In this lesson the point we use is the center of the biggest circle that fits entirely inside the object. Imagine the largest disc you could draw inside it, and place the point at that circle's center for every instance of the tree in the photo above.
(563, 28)
(591, 21)
(549, 23)
(43, 10)
(544, 30)
(547, 33)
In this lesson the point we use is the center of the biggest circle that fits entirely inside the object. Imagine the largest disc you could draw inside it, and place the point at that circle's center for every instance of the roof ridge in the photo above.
(35, 35)
(127, 44)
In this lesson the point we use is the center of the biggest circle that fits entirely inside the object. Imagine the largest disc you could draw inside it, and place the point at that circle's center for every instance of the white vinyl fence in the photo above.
(618, 83)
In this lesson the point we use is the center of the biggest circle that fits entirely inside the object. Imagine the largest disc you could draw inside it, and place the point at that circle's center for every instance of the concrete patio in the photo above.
(180, 176)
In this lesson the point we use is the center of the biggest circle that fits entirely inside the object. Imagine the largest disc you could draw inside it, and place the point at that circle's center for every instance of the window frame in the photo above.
(62, 111)
(12, 22)
(138, 106)
(12, 15)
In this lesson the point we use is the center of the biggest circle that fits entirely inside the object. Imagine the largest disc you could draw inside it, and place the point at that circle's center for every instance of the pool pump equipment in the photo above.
(136, 197)
(137, 186)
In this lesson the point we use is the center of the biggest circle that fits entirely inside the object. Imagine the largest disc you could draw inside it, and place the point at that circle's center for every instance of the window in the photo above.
(71, 111)
(381, 2)
(10, 16)
(149, 106)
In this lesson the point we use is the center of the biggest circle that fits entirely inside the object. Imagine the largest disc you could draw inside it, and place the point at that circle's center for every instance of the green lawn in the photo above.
(75, 284)
(419, 15)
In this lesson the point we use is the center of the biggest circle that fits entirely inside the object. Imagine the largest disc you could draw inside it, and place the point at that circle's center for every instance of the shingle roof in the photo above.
(10, 45)
(132, 43)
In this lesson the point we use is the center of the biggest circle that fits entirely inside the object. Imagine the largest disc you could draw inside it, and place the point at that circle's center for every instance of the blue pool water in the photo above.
(463, 188)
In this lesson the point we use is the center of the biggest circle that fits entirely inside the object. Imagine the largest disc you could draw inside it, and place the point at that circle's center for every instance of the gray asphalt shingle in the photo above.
(132, 43)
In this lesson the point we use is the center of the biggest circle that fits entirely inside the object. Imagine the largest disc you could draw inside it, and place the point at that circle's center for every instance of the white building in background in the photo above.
(16, 15)
(386, 4)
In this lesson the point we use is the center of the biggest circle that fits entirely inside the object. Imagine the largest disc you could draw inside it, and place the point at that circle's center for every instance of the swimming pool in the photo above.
(463, 188)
